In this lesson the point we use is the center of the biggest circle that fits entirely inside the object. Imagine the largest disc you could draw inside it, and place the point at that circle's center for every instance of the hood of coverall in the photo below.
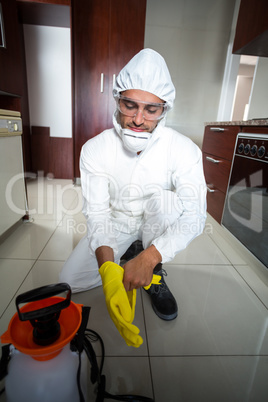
(146, 71)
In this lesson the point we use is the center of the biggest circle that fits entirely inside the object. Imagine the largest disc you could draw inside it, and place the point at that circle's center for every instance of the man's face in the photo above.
(138, 123)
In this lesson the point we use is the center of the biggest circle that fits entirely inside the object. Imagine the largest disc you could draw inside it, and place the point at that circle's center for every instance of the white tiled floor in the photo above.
(216, 349)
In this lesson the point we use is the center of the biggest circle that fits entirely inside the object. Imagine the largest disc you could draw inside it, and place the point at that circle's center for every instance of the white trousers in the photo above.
(81, 269)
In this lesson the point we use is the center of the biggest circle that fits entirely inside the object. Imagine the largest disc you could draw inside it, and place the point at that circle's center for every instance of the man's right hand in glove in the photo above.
(120, 304)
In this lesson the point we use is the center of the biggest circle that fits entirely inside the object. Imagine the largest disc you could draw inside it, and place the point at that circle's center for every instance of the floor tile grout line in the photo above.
(223, 252)
(50, 239)
(35, 261)
(244, 280)
(147, 340)
(196, 263)
(209, 355)
(57, 225)
(16, 292)
(17, 258)
(47, 241)
(70, 200)
(253, 291)
(49, 260)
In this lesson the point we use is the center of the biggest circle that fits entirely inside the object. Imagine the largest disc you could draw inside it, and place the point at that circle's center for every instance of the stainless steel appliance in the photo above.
(12, 183)
(246, 207)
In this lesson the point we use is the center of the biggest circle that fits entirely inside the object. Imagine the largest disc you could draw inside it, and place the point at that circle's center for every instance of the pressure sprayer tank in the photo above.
(42, 367)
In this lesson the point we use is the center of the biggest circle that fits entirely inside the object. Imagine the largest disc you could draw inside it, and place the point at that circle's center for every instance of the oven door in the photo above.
(246, 206)
(12, 182)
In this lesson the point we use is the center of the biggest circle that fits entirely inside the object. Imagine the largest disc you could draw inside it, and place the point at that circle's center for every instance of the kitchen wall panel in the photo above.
(193, 37)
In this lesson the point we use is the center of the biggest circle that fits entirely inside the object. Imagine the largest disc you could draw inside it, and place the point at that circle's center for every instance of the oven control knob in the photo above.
(261, 151)
(253, 150)
(240, 148)
(247, 149)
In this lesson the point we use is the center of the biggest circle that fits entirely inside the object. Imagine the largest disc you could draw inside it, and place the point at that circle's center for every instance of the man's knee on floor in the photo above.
(80, 284)
(164, 202)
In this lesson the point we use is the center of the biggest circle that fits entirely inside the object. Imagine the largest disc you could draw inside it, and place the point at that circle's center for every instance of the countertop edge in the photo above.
(257, 122)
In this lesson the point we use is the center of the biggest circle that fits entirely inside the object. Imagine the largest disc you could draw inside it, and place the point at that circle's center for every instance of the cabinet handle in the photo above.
(114, 78)
(2, 29)
(210, 190)
(217, 129)
(208, 158)
(101, 82)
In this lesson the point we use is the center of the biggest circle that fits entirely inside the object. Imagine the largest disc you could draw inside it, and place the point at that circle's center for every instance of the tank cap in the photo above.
(46, 328)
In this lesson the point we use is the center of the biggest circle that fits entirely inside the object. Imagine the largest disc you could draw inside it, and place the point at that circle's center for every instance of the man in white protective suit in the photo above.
(142, 185)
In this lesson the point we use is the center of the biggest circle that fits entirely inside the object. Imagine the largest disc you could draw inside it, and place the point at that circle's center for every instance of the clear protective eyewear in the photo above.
(150, 111)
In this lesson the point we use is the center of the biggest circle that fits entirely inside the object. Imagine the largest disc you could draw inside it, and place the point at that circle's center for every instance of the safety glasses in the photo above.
(150, 111)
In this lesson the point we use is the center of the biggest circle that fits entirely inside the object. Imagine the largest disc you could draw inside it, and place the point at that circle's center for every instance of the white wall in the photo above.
(193, 37)
(258, 107)
(48, 60)
(232, 64)
(242, 95)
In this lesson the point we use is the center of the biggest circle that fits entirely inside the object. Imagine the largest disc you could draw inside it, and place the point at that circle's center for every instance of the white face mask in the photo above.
(135, 141)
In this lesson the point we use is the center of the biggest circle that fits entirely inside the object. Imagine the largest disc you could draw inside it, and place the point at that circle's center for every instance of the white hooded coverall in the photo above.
(158, 196)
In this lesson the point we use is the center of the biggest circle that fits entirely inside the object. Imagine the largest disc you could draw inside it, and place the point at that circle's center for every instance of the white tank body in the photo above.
(53, 380)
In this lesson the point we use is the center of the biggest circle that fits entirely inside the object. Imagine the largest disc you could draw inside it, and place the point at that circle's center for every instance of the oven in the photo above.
(13, 201)
(246, 206)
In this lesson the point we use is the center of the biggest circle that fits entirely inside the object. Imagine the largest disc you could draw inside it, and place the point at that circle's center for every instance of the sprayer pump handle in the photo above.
(41, 293)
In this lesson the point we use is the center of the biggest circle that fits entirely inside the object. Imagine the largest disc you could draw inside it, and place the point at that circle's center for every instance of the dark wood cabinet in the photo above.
(90, 36)
(39, 150)
(127, 27)
(106, 34)
(11, 79)
(218, 150)
(218, 147)
(251, 37)
(217, 171)
(255, 129)
(55, 13)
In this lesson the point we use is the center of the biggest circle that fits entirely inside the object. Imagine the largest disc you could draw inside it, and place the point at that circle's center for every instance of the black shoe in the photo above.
(135, 249)
(163, 301)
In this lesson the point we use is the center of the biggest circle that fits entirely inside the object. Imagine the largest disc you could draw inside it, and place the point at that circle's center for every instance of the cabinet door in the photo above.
(252, 28)
(215, 203)
(127, 26)
(106, 34)
(217, 171)
(220, 140)
(90, 34)
(10, 50)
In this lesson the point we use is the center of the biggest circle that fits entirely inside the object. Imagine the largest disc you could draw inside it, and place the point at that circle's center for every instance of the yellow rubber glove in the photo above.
(155, 281)
(120, 304)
